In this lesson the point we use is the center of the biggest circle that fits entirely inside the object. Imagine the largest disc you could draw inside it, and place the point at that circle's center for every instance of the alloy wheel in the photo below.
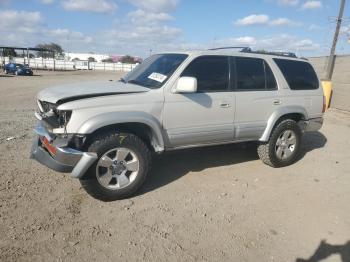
(285, 144)
(117, 168)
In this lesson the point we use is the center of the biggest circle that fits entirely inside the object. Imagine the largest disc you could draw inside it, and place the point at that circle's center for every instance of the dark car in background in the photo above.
(18, 69)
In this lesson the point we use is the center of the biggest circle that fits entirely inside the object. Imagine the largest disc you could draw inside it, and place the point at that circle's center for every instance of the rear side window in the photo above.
(254, 74)
(299, 75)
(212, 73)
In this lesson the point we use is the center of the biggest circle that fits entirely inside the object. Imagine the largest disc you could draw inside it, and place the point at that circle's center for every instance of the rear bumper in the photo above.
(25, 74)
(313, 124)
(65, 160)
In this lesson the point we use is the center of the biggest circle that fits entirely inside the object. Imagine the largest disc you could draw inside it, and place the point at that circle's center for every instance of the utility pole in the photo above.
(330, 66)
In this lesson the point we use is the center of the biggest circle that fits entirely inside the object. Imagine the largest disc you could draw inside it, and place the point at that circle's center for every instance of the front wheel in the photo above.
(122, 166)
(283, 147)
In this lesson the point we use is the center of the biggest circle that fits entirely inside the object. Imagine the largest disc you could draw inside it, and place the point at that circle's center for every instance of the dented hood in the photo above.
(64, 93)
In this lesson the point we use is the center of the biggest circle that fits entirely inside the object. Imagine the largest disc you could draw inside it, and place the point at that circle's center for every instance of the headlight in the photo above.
(46, 106)
(64, 117)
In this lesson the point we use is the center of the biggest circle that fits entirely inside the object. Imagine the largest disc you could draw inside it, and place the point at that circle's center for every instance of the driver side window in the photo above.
(212, 73)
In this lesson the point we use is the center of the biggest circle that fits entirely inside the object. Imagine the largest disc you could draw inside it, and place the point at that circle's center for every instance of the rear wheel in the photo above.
(283, 147)
(122, 166)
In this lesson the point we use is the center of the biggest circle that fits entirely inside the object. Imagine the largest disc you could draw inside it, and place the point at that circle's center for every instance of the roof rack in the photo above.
(285, 54)
(246, 49)
(243, 48)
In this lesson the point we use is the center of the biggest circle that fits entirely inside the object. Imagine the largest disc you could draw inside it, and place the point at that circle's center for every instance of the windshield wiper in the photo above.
(122, 80)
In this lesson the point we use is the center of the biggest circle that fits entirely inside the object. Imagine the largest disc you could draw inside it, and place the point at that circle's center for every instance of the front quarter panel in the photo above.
(89, 115)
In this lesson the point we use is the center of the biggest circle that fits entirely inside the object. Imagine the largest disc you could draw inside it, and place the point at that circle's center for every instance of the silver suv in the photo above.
(104, 133)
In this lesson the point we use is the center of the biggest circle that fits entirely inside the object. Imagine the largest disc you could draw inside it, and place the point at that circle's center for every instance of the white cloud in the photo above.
(155, 5)
(98, 6)
(288, 2)
(236, 41)
(311, 5)
(263, 19)
(143, 17)
(19, 19)
(66, 34)
(253, 20)
(138, 32)
(314, 27)
(134, 38)
(345, 30)
(27, 29)
(275, 43)
(284, 22)
(143, 29)
(47, 2)
(140, 35)
(288, 43)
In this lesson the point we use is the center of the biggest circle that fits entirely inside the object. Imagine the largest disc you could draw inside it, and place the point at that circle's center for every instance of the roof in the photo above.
(242, 51)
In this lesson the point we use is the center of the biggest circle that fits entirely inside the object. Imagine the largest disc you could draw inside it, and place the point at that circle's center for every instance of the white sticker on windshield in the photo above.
(157, 77)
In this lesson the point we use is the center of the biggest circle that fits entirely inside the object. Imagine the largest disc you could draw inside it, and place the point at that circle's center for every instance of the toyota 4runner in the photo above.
(104, 133)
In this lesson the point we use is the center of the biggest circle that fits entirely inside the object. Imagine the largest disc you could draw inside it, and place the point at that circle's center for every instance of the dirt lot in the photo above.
(212, 204)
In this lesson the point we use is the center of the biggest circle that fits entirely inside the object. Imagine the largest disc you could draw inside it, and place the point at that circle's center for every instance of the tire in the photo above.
(283, 147)
(112, 146)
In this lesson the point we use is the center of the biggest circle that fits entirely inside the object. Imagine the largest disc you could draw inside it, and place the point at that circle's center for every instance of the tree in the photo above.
(52, 47)
(107, 60)
(262, 51)
(75, 59)
(10, 52)
(128, 59)
(91, 59)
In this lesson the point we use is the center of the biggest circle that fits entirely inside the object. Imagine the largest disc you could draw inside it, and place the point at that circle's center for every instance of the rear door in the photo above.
(256, 96)
(206, 116)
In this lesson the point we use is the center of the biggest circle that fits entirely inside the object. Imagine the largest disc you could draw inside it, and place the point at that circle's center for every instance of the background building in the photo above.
(86, 57)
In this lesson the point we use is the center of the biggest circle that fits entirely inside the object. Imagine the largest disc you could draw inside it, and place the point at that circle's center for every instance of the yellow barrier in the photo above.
(327, 91)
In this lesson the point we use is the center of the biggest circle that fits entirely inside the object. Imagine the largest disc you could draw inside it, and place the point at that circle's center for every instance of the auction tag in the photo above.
(157, 77)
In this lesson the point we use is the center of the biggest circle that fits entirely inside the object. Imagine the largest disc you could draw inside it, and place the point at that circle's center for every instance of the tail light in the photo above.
(324, 105)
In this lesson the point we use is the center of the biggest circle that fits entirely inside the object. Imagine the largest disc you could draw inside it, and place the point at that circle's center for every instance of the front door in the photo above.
(206, 116)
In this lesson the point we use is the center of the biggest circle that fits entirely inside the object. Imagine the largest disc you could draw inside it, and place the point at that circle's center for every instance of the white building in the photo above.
(85, 56)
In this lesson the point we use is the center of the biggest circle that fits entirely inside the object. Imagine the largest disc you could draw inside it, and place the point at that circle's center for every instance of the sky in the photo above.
(138, 27)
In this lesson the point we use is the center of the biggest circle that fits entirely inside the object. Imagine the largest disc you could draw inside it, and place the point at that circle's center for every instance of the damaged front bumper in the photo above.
(58, 156)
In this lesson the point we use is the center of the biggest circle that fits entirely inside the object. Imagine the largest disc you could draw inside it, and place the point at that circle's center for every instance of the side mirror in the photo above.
(186, 84)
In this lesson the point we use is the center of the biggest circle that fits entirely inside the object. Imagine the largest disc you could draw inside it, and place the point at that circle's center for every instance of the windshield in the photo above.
(155, 70)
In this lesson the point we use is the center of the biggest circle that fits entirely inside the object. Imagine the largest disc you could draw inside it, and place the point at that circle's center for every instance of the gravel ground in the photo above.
(211, 204)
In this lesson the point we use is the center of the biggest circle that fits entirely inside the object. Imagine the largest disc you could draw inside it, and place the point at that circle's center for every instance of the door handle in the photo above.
(277, 102)
(224, 105)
